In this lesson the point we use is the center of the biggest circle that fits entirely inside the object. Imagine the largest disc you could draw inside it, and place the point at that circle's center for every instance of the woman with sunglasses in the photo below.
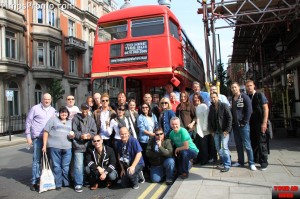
(117, 123)
(202, 139)
(101, 161)
(56, 140)
(165, 116)
(147, 122)
(186, 113)
(160, 152)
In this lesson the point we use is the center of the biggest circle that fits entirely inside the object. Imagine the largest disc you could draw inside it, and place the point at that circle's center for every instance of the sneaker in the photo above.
(220, 166)
(33, 187)
(211, 160)
(58, 188)
(78, 188)
(136, 186)
(141, 177)
(225, 169)
(253, 167)
(236, 164)
(264, 168)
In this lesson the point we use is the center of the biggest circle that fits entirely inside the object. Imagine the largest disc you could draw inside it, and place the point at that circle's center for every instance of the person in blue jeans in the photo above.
(185, 150)
(219, 124)
(159, 152)
(85, 129)
(241, 113)
(36, 120)
(56, 140)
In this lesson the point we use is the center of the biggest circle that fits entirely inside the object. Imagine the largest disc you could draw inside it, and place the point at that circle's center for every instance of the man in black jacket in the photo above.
(219, 124)
(258, 125)
(101, 161)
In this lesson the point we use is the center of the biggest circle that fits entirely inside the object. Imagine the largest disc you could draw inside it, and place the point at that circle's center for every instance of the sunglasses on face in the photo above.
(164, 103)
(144, 107)
(158, 134)
(96, 141)
(71, 99)
(104, 100)
(120, 109)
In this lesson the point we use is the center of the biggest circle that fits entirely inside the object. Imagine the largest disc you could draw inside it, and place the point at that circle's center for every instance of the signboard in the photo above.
(9, 95)
(136, 48)
(128, 59)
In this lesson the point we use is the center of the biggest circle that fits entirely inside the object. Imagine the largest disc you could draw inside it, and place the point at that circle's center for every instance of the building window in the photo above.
(94, 10)
(10, 44)
(71, 28)
(52, 56)
(38, 94)
(91, 38)
(41, 53)
(13, 103)
(51, 16)
(73, 91)
(72, 64)
(40, 13)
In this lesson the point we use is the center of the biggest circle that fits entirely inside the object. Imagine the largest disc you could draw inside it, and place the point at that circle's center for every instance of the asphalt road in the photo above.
(15, 174)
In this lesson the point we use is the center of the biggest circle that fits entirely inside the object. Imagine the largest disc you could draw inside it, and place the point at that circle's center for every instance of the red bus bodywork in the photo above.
(145, 47)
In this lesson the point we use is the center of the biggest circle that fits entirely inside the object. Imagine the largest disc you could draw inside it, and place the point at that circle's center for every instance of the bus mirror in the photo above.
(175, 81)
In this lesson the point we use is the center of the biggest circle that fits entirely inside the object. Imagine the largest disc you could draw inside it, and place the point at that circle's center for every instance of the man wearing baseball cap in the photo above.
(85, 129)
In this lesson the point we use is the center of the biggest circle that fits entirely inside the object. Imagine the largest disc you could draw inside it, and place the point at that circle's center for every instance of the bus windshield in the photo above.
(112, 32)
(112, 85)
(147, 27)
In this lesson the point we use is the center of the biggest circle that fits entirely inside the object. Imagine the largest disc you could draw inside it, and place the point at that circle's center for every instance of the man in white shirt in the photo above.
(71, 106)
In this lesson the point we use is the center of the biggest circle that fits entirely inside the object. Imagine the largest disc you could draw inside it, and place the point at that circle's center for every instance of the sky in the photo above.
(186, 12)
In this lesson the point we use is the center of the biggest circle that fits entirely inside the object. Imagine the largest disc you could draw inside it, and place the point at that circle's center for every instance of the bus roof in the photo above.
(135, 12)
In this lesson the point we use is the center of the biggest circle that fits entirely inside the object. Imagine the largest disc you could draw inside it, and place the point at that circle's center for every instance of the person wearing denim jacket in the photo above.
(165, 116)
(147, 123)
(241, 113)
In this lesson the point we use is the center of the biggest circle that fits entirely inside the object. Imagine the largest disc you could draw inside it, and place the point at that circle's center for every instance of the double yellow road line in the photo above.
(156, 194)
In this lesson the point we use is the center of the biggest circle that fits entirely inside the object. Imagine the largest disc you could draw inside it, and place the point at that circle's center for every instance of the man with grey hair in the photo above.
(204, 95)
(97, 99)
(36, 120)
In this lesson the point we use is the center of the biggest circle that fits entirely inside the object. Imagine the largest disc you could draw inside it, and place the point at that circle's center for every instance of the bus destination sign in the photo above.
(136, 48)
(133, 52)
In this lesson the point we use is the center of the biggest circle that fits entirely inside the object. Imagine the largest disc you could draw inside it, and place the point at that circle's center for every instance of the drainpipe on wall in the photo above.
(28, 40)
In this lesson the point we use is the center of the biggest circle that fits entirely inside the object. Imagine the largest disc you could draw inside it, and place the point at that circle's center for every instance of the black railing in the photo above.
(12, 124)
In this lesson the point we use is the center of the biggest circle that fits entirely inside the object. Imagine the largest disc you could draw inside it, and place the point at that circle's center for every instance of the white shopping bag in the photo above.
(47, 181)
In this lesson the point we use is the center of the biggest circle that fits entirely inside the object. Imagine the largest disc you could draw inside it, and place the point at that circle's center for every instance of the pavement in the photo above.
(208, 182)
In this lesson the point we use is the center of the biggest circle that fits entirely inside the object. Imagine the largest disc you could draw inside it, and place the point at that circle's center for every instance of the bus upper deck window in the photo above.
(147, 27)
(112, 32)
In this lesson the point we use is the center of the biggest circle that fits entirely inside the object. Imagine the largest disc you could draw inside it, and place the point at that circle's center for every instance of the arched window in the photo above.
(38, 94)
(13, 101)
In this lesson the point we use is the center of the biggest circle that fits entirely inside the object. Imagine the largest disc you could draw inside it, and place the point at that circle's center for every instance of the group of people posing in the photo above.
(104, 143)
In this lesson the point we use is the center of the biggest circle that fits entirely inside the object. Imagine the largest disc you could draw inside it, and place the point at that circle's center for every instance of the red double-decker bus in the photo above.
(140, 49)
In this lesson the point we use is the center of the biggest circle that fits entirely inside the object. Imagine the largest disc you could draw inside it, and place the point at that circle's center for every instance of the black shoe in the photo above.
(58, 188)
(169, 182)
(33, 187)
(225, 170)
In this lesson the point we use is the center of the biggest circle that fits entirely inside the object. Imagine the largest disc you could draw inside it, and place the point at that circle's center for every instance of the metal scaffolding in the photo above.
(253, 21)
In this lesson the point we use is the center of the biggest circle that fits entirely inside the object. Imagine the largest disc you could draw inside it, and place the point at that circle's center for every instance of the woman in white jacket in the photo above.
(202, 140)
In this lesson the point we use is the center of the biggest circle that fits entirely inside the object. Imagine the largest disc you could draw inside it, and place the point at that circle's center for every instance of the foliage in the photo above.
(222, 78)
(55, 89)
